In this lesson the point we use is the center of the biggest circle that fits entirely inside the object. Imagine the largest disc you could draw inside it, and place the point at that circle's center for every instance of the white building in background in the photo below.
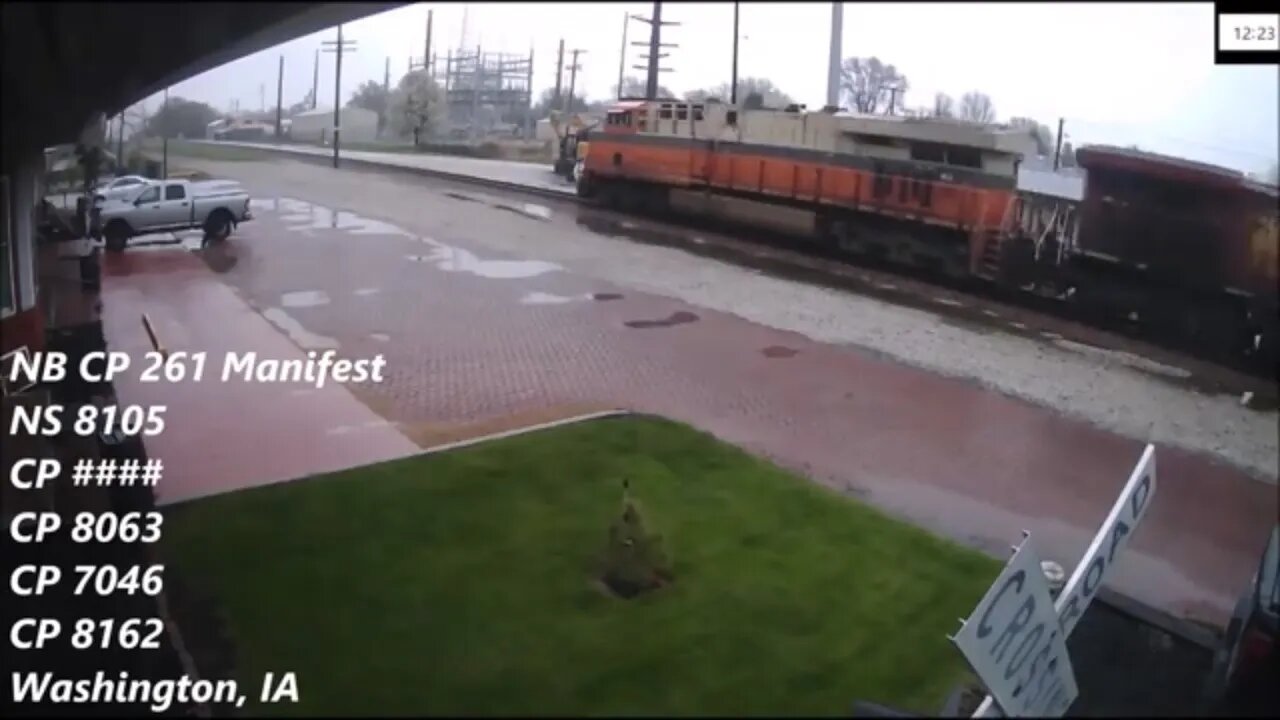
(357, 125)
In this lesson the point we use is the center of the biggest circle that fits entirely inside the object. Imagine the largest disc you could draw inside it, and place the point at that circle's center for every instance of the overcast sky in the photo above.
(1138, 73)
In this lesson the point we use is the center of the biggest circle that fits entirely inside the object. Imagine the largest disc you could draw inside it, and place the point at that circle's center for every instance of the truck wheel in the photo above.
(218, 227)
(116, 237)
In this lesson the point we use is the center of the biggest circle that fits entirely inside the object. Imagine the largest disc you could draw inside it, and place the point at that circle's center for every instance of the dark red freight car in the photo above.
(1188, 247)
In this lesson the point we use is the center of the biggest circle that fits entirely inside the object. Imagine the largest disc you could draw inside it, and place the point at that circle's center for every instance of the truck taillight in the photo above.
(1255, 646)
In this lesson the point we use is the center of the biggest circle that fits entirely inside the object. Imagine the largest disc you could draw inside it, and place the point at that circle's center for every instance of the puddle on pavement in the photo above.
(604, 297)
(366, 292)
(380, 337)
(304, 298)
(264, 204)
(166, 241)
(676, 318)
(219, 257)
(304, 338)
(454, 259)
(460, 196)
(778, 351)
(537, 212)
(302, 216)
(541, 298)
(948, 302)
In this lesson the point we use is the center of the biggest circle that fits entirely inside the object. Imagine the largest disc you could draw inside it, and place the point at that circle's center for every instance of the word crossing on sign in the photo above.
(1014, 643)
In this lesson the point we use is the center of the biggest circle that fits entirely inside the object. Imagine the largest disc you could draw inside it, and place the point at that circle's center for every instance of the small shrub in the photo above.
(635, 560)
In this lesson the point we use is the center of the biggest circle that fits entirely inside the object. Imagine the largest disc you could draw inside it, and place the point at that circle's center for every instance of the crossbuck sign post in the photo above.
(1009, 639)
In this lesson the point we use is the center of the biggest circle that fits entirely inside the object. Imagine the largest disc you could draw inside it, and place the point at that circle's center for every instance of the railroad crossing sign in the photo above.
(1013, 606)
(1014, 642)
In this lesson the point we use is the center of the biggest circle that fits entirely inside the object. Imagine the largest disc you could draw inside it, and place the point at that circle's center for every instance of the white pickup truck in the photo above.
(169, 205)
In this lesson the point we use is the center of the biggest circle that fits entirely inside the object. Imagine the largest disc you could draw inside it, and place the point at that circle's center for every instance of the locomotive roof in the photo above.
(1101, 158)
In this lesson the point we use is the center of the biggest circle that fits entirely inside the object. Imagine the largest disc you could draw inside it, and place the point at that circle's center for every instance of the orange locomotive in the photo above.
(931, 193)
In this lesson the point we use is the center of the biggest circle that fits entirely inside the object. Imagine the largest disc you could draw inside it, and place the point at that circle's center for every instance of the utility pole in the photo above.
(528, 109)
(338, 48)
(164, 142)
(386, 77)
(622, 61)
(315, 82)
(280, 100)
(733, 83)
(655, 44)
(426, 54)
(893, 97)
(573, 78)
(559, 75)
(262, 97)
(120, 142)
(833, 60)
(1057, 151)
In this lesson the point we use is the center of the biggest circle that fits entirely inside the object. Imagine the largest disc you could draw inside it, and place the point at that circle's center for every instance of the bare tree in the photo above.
(868, 85)
(943, 106)
(1039, 132)
(769, 94)
(634, 87)
(372, 96)
(977, 107)
(416, 106)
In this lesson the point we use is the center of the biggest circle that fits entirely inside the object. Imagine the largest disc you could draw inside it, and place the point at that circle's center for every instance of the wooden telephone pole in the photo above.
(559, 76)
(733, 81)
(573, 78)
(338, 48)
(280, 100)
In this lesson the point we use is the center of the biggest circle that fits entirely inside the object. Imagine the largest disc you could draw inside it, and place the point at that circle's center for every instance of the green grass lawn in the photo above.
(463, 582)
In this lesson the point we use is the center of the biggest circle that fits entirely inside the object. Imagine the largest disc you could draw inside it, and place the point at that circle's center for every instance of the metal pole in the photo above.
(528, 105)
(280, 100)
(337, 97)
(164, 142)
(733, 86)
(655, 44)
(573, 80)
(315, 82)
(120, 143)
(833, 62)
(1057, 151)
(426, 55)
(559, 76)
(622, 61)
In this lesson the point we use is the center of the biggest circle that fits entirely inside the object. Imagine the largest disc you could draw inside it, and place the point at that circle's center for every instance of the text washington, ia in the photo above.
(158, 695)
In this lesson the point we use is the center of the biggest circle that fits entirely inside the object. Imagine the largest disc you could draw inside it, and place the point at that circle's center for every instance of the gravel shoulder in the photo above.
(1094, 387)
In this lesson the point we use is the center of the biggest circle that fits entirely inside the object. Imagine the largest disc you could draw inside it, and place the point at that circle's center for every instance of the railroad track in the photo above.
(809, 261)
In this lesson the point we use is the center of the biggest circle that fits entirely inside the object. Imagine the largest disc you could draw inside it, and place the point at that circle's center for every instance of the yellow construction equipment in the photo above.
(572, 142)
